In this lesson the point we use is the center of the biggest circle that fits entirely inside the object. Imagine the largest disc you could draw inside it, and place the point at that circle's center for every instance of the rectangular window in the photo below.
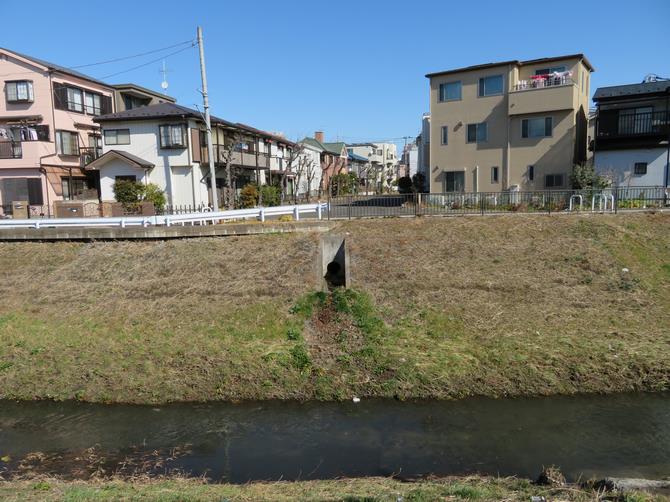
(491, 86)
(74, 188)
(74, 100)
(445, 135)
(547, 71)
(117, 136)
(173, 136)
(454, 181)
(93, 103)
(539, 127)
(494, 174)
(29, 189)
(67, 143)
(553, 180)
(19, 91)
(640, 169)
(531, 173)
(477, 133)
(451, 91)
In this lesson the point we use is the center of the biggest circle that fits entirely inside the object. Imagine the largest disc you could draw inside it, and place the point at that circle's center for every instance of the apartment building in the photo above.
(46, 125)
(165, 144)
(513, 125)
(632, 133)
(383, 163)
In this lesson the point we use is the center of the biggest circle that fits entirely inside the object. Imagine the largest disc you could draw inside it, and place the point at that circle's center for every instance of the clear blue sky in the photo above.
(354, 69)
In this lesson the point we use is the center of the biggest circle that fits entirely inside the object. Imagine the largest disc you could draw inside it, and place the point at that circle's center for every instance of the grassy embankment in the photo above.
(351, 490)
(444, 307)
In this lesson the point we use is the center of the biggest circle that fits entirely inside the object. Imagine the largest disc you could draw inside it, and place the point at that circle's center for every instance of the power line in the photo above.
(133, 56)
(148, 62)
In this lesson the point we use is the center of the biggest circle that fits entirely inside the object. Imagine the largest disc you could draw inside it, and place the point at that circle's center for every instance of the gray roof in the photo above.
(173, 110)
(617, 91)
(61, 69)
(134, 159)
(160, 110)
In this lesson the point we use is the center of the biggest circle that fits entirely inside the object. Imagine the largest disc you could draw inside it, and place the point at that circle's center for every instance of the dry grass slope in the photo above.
(443, 307)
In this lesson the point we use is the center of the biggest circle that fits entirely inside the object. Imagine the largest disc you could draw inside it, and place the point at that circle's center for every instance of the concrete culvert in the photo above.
(333, 263)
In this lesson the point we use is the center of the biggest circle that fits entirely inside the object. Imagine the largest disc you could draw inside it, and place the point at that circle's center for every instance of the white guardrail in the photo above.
(260, 213)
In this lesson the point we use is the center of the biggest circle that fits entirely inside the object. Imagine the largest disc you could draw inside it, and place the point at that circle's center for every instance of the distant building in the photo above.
(423, 147)
(334, 158)
(513, 125)
(632, 133)
(410, 159)
(129, 96)
(383, 163)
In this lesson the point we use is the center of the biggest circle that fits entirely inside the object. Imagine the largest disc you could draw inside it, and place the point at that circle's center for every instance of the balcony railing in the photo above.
(618, 124)
(541, 83)
(10, 150)
(88, 155)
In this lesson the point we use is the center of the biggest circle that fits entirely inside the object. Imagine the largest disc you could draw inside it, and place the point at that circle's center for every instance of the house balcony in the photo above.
(88, 155)
(542, 95)
(614, 124)
(11, 150)
(239, 158)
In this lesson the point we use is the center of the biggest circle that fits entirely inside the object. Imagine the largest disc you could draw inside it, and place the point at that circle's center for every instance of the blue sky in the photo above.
(354, 69)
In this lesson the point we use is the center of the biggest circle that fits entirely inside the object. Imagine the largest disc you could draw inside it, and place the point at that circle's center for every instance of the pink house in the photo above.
(47, 132)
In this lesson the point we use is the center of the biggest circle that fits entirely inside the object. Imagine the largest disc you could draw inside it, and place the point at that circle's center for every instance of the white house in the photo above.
(165, 144)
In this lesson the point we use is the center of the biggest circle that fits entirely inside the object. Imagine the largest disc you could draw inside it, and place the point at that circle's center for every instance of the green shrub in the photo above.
(132, 193)
(300, 358)
(271, 195)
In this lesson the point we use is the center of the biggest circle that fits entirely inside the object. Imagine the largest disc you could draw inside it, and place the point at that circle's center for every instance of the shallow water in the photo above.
(624, 435)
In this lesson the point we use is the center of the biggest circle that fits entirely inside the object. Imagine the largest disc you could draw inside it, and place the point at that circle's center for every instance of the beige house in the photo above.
(514, 125)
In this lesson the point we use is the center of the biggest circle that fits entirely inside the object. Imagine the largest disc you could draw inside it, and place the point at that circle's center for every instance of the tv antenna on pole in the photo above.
(164, 72)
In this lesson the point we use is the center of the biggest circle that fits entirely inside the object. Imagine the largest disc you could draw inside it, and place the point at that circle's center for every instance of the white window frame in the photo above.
(112, 136)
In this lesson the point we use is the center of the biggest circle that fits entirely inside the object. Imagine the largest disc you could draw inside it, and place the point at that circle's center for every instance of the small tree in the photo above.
(249, 195)
(131, 193)
(343, 184)
(584, 176)
(419, 182)
(405, 185)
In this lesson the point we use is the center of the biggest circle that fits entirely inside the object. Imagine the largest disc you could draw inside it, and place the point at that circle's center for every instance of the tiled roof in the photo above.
(334, 148)
(313, 143)
(615, 91)
(61, 69)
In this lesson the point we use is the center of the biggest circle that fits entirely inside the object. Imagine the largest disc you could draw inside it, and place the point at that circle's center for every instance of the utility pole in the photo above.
(208, 125)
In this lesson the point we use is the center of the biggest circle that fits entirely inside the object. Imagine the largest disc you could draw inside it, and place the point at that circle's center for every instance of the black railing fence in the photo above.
(545, 201)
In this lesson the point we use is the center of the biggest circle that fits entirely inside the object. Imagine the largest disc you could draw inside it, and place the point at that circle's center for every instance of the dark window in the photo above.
(19, 91)
(640, 168)
(445, 135)
(117, 136)
(491, 86)
(454, 181)
(67, 143)
(14, 189)
(131, 102)
(531, 173)
(173, 136)
(553, 180)
(477, 133)
(451, 91)
(29, 133)
(494, 174)
(74, 188)
(539, 127)
(553, 69)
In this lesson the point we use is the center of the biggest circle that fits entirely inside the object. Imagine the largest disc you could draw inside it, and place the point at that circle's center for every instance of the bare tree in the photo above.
(292, 162)
(232, 140)
(305, 167)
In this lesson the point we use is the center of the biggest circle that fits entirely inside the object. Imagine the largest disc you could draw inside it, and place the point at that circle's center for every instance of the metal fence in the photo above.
(545, 201)
(296, 212)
